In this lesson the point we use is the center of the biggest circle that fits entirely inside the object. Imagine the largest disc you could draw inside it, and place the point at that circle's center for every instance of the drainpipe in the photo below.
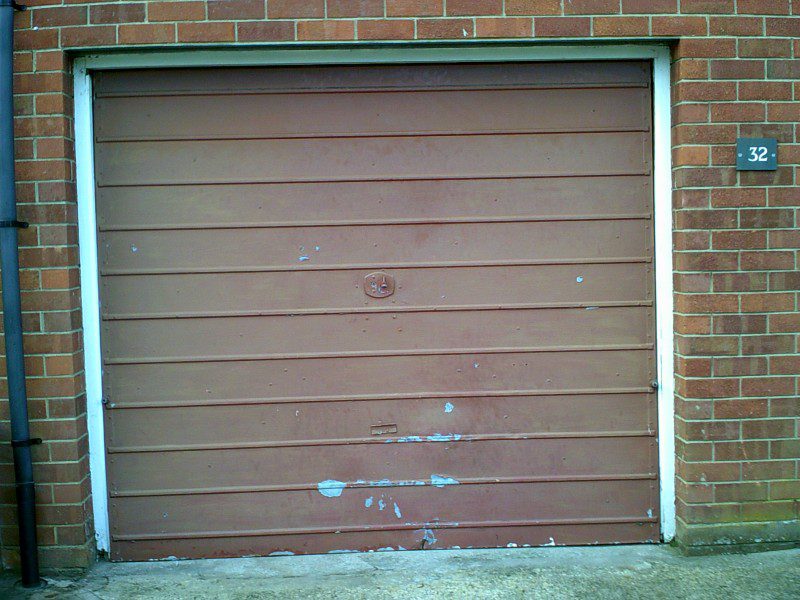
(12, 313)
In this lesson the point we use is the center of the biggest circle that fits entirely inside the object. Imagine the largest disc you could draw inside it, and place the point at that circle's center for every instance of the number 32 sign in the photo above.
(756, 154)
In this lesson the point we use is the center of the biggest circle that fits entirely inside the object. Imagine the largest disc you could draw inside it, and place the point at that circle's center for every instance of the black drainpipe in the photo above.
(12, 312)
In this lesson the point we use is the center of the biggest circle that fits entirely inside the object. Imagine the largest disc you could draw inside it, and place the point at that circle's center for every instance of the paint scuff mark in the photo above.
(511, 545)
(448, 407)
(441, 437)
(408, 438)
(281, 553)
(552, 542)
(397, 512)
(331, 488)
(303, 258)
(343, 551)
(579, 279)
(592, 307)
(381, 504)
(441, 481)
(650, 513)
(368, 502)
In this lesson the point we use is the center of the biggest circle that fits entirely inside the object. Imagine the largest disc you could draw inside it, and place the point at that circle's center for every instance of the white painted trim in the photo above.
(90, 300)
(662, 200)
(378, 53)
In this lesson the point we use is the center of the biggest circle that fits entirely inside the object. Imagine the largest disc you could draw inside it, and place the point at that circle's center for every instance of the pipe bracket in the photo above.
(26, 443)
(13, 4)
(15, 223)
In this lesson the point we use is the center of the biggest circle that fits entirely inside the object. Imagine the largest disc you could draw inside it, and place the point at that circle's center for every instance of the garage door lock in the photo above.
(378, 285)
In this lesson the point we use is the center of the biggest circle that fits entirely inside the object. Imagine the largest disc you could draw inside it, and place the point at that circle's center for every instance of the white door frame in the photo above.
(374, 53)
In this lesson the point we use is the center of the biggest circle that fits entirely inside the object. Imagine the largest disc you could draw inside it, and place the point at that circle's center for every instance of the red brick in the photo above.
(705, 47)
(708, 345)
(691, 240)
(782, 27)
(737, 112)
(763, 7)
(784, 323)
(708, 6)
(648, 7)
(706, 303)
(262, 31)
(768, 386)
(679, 26)
(728, 324)
(221, 10)
(561, 26)
(621, 26)
(206, 32)
(735, 26)
(394, 29)
(707, 261)
(686, 68)
(765, 90)
(444, 28)
(692, 324)
(533, 7)
(739, 450)
(706, 219)
(766, 260)
(504, 27)
(414, 8)
(461, 8)
(766, 48)
(737, 69)
(740, 492)
(771, 302)
(295, 9)
(768, 428)
(354, 8)
(708, 388)
(176, 11)
(693, 367)
(59, 16)
(785, 281)
(737, 366)
(325, 30)
(768, 344)
(704, 134)
(95, 35)
(147, 33)
(117, 13)
(783, 69)
(590, 7)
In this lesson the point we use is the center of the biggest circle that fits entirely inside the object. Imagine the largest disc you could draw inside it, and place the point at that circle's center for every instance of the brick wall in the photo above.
(736, 241)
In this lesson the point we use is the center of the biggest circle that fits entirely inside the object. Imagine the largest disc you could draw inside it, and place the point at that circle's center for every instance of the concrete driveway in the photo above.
(604, 572)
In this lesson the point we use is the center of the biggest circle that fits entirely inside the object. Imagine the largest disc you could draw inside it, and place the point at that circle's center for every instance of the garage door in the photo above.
(350, 308)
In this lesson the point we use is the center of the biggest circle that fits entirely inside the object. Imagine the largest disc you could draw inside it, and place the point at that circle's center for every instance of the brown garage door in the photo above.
(377, 307)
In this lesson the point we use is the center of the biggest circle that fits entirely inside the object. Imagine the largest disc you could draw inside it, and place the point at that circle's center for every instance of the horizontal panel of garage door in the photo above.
(260, 400)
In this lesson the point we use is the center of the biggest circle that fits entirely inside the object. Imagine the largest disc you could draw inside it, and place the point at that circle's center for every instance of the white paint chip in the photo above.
(331, 488)
(448, 407)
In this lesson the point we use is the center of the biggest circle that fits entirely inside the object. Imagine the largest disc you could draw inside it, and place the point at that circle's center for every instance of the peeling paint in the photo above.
(428, 538)
(303, 258)
(552, 542)
(368, 502)
(441, 481)
(331, 488)
(448, 407)
(579, 279)
(344, 551)
(442, 437)
(397, 512)
(281, 553)
(381, 504)
(650, 512)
